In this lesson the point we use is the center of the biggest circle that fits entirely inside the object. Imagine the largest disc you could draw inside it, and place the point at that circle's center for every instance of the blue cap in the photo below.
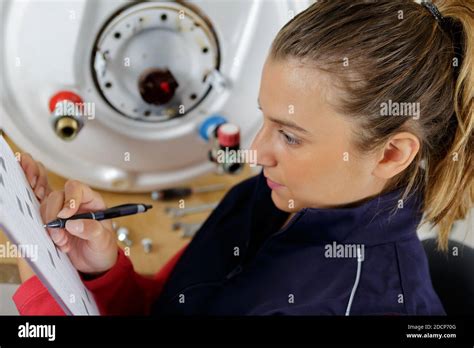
(210, 123)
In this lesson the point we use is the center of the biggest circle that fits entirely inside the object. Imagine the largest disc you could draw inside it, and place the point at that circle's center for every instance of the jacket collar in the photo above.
(379, 220)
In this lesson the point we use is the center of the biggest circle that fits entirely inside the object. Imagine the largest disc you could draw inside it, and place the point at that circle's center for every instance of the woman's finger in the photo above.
(53, 203)
(59, 236)
(79, 195)
(30, 168)
(42, 188)
(65, 248)
(43, 206)
(43, 170)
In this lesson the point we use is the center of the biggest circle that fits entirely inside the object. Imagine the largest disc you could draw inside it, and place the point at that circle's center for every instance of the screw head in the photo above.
(147, 244)
(122, 234)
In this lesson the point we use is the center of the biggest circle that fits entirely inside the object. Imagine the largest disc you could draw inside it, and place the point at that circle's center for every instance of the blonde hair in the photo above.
(397, 50)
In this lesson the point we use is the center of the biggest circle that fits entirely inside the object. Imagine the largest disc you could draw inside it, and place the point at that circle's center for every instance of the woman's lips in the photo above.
(273, 185)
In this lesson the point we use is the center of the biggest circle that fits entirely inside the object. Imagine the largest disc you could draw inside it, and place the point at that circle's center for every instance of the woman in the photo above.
(368, 121)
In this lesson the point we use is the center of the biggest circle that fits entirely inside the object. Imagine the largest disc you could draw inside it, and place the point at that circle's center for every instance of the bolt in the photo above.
(147, 244)
(122, 236)
(155, 195)
(188, 229)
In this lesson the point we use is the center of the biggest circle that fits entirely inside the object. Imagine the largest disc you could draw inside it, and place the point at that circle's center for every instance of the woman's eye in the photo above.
(289, 139)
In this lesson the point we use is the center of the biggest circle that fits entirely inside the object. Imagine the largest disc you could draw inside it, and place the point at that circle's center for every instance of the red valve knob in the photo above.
(228, 134)
(65, 96)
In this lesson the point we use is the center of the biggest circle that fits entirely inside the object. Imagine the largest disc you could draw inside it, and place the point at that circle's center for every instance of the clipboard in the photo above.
(20, 219)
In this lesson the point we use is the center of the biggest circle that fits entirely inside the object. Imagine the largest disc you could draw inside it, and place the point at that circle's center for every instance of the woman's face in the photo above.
(305, 146)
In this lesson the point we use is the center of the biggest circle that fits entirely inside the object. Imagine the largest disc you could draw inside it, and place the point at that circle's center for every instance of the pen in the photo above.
(110, 213)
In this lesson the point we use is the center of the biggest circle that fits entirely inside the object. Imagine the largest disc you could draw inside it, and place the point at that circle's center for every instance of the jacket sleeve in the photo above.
(120, 291)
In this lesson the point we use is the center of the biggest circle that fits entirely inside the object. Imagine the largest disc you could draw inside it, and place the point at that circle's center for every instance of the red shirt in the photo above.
(120, 291)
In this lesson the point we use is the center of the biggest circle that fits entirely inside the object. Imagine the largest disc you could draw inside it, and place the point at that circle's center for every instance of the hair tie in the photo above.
(453, 28)
(434, 11)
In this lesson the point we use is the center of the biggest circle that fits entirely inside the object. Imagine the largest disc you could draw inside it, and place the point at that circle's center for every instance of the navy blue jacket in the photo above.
(241, 262)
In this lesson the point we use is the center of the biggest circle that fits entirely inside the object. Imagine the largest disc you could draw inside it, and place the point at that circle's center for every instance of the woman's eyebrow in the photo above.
(289, 124)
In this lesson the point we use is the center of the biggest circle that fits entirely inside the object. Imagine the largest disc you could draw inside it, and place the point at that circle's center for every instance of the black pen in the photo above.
(114, 212)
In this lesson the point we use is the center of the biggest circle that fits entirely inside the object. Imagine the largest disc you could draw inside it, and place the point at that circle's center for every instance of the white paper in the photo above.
(20, 219)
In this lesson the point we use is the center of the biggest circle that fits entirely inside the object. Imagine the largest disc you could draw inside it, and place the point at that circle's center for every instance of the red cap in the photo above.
(61, 96)
(228, 134)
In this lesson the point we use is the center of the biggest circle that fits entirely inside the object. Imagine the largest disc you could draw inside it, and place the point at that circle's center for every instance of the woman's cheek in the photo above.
(298, 177)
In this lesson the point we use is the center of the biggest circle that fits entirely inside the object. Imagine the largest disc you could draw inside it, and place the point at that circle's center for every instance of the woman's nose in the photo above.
(262, 145)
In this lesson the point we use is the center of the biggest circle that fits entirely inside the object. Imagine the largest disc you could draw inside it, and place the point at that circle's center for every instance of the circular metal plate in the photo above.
(148, 37)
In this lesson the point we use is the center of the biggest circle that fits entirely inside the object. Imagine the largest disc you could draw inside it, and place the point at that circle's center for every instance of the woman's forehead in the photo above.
(289, 88)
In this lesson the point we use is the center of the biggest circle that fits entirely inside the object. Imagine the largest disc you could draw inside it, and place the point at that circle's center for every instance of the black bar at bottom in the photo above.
(430, 331)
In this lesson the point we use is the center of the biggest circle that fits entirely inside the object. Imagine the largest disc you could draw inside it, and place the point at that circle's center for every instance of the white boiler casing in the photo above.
(104, 51)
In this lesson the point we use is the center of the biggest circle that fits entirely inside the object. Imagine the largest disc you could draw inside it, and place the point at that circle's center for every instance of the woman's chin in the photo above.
(282, 203)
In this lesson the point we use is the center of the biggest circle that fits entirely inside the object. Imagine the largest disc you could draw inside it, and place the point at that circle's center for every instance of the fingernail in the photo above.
(55, 234)
(75, 226)
(40, 192)
(63, 213)
(33, 181)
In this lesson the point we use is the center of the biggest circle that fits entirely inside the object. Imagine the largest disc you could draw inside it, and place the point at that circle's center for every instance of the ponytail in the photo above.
(449, 191)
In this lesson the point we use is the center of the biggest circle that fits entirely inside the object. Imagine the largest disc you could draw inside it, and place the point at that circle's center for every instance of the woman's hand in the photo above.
(36, 175)
(91, 245)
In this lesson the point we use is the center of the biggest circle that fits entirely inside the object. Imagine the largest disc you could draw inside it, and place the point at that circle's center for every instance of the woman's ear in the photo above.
(396, 155)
